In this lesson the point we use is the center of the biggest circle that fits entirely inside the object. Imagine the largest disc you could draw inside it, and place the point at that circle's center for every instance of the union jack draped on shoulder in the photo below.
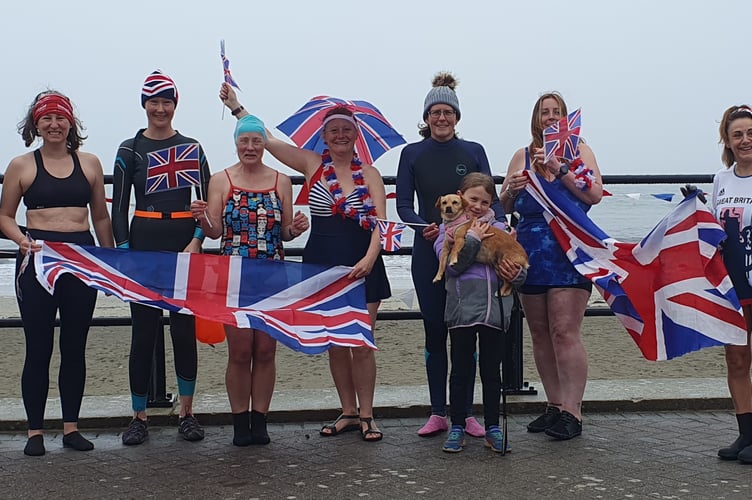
(670, 291)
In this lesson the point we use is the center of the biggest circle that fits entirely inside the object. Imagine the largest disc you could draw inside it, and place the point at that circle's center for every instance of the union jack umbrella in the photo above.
(376, 135)
(562, 138)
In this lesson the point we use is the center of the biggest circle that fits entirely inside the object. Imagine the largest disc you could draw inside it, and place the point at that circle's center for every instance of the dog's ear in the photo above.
(464, 202)
(438, 202)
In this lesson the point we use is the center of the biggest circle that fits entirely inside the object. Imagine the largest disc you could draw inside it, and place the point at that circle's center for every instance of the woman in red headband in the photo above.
(61, 188)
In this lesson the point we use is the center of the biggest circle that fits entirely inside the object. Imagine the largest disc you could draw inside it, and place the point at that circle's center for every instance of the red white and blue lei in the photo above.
(583, 176)
(366, 217)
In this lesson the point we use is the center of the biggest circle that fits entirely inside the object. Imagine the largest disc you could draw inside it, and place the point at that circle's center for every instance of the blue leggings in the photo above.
(75, 302)
(432, 299)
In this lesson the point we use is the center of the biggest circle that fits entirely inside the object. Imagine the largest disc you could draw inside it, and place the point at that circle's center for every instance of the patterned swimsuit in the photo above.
(253, 223)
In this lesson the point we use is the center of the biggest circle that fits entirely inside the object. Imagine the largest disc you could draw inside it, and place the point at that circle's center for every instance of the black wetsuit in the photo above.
(165, 194)
(430, 169)
(74, 300)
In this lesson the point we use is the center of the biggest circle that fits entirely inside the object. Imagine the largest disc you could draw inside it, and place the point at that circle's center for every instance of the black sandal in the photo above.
(332, 428)
(370, 434)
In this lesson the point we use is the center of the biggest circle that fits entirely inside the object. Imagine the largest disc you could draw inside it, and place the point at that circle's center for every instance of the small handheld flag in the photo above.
(391, 235)
(173, 168)
(562, 138)
(226, 66)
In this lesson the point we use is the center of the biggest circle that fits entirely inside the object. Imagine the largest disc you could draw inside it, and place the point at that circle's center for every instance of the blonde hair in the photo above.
(536, 129)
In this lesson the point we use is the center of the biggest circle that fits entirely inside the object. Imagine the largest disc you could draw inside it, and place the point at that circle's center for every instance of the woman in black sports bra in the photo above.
(61, 188)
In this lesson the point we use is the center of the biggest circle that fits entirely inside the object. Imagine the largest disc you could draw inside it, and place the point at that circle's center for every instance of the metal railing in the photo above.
(512, 364)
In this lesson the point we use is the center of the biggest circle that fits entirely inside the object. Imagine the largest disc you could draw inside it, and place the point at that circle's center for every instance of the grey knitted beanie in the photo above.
(442, 93)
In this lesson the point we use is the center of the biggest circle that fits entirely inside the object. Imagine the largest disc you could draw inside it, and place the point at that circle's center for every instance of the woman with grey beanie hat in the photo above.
(431, 168)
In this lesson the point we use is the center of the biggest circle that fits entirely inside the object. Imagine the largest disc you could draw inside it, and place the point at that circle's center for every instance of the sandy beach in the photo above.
(612, 356)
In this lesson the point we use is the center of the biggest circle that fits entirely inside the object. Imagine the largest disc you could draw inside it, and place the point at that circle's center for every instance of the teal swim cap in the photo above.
(250, 123)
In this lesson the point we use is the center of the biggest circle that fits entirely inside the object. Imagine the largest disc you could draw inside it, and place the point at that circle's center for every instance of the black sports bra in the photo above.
(48, 191)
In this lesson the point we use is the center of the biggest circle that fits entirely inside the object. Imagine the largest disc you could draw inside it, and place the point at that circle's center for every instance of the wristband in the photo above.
(198, 233)
(236, 111)
(124, 245)
(510, 194)
(563, 170)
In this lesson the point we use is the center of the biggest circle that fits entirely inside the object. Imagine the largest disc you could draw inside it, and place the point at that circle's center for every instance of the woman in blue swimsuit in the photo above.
(555, 295)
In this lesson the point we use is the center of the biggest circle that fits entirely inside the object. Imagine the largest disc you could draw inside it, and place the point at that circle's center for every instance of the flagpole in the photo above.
(405, 223)
(202, 195)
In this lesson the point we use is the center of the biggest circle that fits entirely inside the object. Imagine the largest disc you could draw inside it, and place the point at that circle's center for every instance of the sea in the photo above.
(627, 215)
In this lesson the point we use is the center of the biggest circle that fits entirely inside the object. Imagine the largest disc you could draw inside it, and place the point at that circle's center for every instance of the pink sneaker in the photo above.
(473, 428)
(435, 425)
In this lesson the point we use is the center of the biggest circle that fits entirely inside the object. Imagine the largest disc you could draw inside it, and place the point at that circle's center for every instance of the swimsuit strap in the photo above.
(527, 158)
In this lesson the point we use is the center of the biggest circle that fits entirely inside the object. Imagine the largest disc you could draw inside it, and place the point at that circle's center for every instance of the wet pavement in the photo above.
(644, 453)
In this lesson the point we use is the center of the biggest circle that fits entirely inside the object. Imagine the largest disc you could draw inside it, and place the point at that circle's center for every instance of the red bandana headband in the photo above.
(53, 104)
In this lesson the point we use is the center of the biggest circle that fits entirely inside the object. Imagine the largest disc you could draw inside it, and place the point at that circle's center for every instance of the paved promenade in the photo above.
(647, 439)
(620, 455)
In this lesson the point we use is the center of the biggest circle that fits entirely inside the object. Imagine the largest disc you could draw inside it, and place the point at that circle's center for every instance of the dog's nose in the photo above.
(448, 210)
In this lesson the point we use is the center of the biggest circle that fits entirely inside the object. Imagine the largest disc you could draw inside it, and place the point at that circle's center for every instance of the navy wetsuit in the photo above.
(74, 300)
(160, 191)
(430, 169)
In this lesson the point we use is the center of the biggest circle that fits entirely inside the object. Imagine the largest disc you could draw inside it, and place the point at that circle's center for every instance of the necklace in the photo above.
(366, 216)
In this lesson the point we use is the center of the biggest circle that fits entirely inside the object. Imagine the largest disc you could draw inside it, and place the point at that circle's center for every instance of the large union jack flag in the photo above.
(307, 307)
(671, 290)
(173, 168)
(391, 235)
(562, 138)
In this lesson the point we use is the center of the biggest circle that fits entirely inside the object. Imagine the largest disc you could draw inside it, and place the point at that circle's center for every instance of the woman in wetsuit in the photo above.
(430, 168)
(61, 188)
(161, 167)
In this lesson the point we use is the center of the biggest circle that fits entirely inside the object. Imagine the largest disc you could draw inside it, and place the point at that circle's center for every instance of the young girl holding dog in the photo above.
(473, 312)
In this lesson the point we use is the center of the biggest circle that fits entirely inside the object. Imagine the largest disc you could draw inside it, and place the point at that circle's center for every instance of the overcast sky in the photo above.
(652, 77)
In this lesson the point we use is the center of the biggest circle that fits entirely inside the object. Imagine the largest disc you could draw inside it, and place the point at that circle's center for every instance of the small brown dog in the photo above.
(492, 249)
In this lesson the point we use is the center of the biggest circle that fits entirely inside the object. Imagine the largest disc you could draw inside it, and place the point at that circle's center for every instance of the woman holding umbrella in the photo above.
(346, 199)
